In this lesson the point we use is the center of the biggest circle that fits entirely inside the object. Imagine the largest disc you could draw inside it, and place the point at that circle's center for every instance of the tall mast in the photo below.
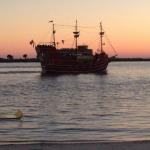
(53, 32)
(101, 36)
(76, 34)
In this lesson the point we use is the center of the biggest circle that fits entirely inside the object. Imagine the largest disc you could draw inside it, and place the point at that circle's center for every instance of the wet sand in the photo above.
(86, 145)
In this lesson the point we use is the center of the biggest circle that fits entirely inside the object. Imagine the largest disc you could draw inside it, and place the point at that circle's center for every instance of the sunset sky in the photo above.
(126, 22)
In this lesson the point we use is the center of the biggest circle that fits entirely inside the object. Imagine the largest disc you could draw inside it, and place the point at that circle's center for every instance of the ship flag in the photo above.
(62, 41)
(32, 43)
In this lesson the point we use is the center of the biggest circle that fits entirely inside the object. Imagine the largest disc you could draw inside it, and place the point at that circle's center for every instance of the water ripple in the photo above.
(110, 107)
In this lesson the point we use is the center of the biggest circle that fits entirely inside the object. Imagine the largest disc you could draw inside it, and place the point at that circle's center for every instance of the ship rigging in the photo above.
(77, 34)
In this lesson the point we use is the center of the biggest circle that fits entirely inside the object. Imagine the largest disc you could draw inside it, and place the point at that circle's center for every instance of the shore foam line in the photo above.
(77, 145)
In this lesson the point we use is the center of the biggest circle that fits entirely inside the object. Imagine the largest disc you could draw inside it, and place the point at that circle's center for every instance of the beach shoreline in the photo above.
(76, 145)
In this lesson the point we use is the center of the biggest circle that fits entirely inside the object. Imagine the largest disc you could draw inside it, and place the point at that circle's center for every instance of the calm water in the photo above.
(108, 107)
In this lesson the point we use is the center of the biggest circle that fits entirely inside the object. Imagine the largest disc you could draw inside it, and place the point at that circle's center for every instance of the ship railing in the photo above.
(45, 43)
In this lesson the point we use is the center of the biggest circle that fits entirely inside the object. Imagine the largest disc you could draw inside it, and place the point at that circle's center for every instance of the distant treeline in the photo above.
(130, 59)
(19, 60)
(36, 60)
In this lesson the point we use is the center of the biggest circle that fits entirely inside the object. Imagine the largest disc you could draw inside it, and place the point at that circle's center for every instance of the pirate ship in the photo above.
(77, 60)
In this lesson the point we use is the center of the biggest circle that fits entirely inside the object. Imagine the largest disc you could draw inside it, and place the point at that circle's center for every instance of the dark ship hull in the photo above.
(75, 69)
(67, 61)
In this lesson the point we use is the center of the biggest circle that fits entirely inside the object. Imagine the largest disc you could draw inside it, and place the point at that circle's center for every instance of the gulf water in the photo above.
(109, 107)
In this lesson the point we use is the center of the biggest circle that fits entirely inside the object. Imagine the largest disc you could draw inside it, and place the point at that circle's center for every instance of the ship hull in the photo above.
(99, 67)
(54, 70)
(66, 61)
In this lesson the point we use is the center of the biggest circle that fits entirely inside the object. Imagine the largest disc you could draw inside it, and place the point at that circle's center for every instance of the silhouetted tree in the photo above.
(25, 56)
(10, 57)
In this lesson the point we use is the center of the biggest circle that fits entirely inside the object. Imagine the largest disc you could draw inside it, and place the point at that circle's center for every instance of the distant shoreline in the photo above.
(131, 59)
(4, 60)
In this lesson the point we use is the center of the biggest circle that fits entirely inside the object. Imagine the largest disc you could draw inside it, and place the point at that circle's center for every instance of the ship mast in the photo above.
(101, 36)
(53, 32)
(76, 34)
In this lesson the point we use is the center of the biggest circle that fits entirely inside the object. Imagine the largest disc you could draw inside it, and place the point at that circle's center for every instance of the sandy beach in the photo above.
(86, 145)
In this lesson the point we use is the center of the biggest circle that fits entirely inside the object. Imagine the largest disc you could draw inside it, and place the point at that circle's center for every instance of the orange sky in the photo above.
(126, 23)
